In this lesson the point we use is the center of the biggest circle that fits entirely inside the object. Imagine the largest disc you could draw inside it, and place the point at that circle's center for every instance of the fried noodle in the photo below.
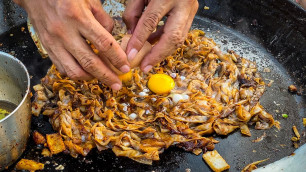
(223, 90)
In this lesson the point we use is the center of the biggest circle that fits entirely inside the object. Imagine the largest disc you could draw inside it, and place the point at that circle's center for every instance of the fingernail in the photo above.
(116, 87)
(129, 31)
(132, 54)
(125, 69)
(147, 69)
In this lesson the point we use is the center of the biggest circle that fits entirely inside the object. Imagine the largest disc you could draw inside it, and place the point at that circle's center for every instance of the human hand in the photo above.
(141, 23)
(302, 3)
(63, 26)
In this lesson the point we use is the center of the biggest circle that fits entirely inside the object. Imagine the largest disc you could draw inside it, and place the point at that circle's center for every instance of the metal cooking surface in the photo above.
(237, 150)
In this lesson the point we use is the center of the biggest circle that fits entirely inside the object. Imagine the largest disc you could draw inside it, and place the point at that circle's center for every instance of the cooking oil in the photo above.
(6, 108)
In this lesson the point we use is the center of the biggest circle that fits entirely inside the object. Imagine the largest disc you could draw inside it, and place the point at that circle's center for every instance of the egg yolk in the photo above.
(161, 83)
(126, 77)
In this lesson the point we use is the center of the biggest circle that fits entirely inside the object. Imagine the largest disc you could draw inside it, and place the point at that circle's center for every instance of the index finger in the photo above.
(109, 49)
(172, 38)
(146, 25)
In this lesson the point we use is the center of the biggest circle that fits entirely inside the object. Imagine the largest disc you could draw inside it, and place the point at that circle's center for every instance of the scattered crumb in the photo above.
(22, 29)
(259, 138)
(267, 70)
(46, 153)
(188, 170)
(270, 83)
(296, 132)
(254, 151)
(12, 53)
(277, 111)
(294, 139)
(60, 167)
(11, 34)
(292, 89)
(1, 44)
(282, 145)
(296, 145)
(276, 103)
(304, 122)
(206, 8)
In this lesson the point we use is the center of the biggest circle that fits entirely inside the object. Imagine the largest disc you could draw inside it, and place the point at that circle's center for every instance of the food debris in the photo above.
(295, 138)
(25, 164)
(46, 153)
(252, 166)
(285, 115)
(215, 161)
(60, 167)
(187, 170)
(296, 132)
(295, 145)
(267, 70)
(38, 138)
(11, 34)
(270, 83)
(292, 89)
(206, 8)
(304, 122)
(22, 29)
(55, 143)
(197, 151)
(259, 138)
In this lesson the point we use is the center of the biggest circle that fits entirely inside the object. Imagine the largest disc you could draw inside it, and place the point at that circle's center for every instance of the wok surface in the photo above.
(270, 32)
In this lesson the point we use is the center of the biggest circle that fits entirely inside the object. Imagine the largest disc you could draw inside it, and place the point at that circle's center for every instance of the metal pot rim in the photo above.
(28, 83)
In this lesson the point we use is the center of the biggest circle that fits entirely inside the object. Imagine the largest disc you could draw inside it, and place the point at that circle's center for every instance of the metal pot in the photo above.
(15, 127)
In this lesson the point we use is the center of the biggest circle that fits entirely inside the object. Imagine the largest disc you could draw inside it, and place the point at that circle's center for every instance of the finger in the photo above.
(92, 63)
(147, 24)
(170, 40)
(72, 69)
(154, 37)
(47, 43)
(108, 47)
(132, 14)
(144, 51)
(102, 17)
(66, 64)
(57, 64)
(193, 12)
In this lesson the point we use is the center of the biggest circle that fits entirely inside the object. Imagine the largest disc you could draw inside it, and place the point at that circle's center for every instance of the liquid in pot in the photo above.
(6, 108)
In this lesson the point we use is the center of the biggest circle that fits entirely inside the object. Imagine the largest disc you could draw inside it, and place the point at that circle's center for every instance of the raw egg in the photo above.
(126, 77)
(161, 83)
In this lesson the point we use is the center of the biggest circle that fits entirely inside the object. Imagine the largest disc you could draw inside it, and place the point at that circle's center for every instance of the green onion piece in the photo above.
(285, 115)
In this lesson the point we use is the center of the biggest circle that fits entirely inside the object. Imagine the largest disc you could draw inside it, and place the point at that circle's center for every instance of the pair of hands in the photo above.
(63, 26)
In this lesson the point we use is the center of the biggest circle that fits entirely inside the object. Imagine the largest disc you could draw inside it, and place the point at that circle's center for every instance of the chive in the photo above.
(284, 115)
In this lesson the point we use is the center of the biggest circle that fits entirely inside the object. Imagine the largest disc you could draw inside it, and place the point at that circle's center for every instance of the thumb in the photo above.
(101, 16)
